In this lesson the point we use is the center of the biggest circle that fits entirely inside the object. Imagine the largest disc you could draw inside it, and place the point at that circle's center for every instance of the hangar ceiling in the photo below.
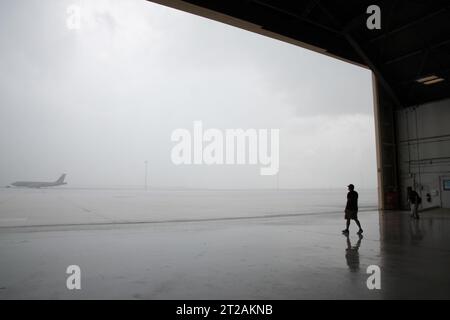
(410, 54)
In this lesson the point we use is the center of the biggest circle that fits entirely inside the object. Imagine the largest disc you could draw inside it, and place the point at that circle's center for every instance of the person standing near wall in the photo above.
(414, 201)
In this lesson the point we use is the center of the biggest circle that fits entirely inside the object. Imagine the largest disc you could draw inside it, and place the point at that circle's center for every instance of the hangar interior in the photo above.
(409, 56)
(164, 255)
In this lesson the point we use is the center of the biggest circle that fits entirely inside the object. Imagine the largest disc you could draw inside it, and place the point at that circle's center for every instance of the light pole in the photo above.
(146, 164)
(278, 180)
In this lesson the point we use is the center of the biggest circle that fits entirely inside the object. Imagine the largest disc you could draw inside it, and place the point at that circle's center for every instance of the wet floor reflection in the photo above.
(416, 232)
(415, 255)
(352, 253)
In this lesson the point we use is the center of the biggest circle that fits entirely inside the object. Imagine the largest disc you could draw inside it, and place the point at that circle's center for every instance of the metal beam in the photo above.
(417, 51)
(375, 70)
(355, 45)
(297, 16)
(309, 8)
(408, 25)
(354, 22)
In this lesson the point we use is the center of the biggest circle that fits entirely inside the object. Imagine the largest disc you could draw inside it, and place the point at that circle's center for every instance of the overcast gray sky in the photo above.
(98, 101)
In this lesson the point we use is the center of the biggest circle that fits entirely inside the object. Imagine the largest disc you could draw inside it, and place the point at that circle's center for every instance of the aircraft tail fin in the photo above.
(61, 179)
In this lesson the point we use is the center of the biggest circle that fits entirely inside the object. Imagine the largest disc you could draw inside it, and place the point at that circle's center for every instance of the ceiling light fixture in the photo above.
(428, 78)
(433, 81)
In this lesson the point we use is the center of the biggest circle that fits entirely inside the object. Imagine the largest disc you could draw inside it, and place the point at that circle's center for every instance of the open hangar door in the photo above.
(409, 55)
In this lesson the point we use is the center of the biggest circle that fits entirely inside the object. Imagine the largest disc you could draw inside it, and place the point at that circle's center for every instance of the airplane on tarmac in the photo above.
(38, 184)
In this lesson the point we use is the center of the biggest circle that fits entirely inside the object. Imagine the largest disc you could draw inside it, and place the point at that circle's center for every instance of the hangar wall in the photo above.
(423, 151)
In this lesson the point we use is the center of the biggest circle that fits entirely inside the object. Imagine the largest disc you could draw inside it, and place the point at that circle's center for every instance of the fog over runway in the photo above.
(66, 206)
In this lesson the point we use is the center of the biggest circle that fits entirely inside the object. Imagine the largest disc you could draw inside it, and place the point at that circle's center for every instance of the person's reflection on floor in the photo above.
(416, 232)
(352, 254)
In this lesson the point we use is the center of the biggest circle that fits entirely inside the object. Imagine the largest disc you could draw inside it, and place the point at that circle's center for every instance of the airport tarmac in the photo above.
(261, 255)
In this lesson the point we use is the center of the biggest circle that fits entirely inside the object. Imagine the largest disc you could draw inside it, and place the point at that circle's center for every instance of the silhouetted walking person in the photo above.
(414, 201)
(351, 209)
